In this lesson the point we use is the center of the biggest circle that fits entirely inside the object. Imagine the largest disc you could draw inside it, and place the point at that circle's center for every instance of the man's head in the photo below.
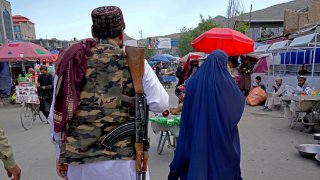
(31, 71)
(278, 81)
(108, 23)
(43, 69)
(258, 79)
(301, 81)
(180, 92)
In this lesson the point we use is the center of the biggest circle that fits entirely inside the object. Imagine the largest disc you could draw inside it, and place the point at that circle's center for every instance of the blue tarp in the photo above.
(294, 59)
(5, 79)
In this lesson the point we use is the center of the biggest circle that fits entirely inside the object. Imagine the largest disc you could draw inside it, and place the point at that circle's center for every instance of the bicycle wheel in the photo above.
(36, 111)
(26, 116)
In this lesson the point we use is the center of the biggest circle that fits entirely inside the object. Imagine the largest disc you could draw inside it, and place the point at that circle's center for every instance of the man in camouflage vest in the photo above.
(100, 109)
(6, 155)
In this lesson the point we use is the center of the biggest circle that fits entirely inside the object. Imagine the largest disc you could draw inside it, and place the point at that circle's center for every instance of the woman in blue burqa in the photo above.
(209, 147)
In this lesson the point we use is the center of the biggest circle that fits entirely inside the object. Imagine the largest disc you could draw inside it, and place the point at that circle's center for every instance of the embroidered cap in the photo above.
(108, 18)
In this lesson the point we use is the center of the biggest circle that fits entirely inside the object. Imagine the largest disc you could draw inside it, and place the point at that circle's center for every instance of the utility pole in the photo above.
(140, 32)
(250, 16)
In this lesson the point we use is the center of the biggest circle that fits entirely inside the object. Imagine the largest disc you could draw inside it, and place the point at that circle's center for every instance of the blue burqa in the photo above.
(209, 147)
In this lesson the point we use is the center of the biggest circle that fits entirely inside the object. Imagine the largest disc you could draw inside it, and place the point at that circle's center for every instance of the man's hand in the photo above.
(14, 173)
(43, 87)
(61, 169)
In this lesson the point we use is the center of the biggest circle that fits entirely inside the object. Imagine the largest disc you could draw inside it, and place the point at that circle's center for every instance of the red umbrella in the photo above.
(230, 41)
(23, 51)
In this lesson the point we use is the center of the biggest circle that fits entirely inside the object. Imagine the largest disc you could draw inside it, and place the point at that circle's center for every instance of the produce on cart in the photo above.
(168, 130)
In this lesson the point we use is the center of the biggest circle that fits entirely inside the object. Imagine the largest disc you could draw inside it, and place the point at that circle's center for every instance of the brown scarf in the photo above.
(71, 68)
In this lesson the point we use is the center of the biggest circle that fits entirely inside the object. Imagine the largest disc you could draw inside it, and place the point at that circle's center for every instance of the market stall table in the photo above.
(307, 109)
(166, 131)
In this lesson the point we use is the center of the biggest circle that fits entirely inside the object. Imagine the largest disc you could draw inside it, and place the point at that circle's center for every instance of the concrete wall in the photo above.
(314, 82)
(291, 21)
(314, 12)
(294, 21)
(28, 31)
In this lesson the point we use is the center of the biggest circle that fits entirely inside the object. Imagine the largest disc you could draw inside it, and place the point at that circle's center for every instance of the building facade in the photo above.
(52, 44)
(262, 29)
(298, 20)
(6, 26)
(24, 29)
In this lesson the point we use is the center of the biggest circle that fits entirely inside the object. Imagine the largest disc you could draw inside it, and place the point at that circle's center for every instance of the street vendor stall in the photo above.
(306, 108)
(23, 55)
(168, 130)
(167, 76)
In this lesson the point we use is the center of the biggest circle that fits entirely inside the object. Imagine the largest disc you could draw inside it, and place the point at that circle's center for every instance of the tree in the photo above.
(148, 53)
(242, 26)
(235, 7)
(189, 34)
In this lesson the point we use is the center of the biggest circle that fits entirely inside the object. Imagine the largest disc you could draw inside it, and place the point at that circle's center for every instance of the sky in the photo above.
(66, 19)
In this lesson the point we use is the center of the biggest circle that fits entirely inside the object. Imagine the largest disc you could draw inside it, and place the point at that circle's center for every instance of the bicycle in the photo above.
(28, 114)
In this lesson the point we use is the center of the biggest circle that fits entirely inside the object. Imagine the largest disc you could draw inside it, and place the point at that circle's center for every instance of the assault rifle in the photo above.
(139, 127)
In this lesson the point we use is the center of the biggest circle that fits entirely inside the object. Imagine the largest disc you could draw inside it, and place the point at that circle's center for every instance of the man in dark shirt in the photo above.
(259, 83)
(45, 90)
(179, 74)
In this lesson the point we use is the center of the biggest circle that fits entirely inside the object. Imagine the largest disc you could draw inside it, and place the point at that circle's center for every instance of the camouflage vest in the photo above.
(100, 109)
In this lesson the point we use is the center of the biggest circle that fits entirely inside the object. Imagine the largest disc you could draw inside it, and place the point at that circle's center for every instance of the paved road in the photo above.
(267, 143)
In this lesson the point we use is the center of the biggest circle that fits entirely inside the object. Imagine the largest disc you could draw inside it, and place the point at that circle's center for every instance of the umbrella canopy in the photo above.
(192, 56)
(170, 57)
(230, 41)
(162, 58)
(23, 51)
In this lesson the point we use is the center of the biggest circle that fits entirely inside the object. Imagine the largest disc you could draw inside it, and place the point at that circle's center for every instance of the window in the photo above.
(7, 24)
(17, 28)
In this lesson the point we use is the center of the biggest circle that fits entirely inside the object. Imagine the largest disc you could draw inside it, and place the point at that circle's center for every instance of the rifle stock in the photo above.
(135, 57)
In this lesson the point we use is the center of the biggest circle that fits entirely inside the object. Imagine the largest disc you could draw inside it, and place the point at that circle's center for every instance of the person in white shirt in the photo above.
(274, 98)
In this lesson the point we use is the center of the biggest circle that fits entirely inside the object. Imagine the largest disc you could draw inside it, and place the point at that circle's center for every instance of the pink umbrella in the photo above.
(23, 51)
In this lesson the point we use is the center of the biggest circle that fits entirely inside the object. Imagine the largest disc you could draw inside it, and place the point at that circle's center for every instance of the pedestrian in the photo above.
(87, 104)
(179, 92)
(194, 66)
(245, 71)
(6, 155)
(179, 74)
(260, 83)
(158, 70)
(45, 83)
(274, 97)
(209, 145)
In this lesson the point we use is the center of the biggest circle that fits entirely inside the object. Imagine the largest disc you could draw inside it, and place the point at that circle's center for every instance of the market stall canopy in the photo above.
(258, 55)
(170, 57)
(192, 56)
(23, 51)
(262, 49)
(278, 46)
(256, 45)
(161, 58)
(232, 42)
(306, 41)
